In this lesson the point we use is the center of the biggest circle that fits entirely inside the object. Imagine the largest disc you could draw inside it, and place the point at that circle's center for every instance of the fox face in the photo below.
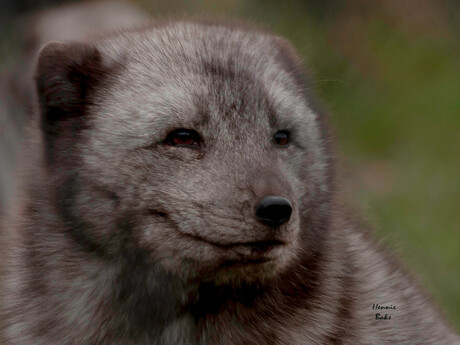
(213, 166)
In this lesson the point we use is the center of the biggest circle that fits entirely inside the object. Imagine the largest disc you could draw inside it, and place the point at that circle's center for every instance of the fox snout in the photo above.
(274, 211)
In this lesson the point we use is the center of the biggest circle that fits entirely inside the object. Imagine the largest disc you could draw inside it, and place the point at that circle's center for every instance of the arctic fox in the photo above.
(180, 189)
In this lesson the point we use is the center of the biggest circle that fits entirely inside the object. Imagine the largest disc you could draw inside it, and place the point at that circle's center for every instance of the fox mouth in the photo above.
(262, 245)
(248, 252)
(259, 251)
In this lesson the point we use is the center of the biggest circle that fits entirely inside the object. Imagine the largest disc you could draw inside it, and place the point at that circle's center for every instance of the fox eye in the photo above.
(183, 137)
(281, 138)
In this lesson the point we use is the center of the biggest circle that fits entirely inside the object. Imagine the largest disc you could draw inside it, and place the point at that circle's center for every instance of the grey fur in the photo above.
(120, 239)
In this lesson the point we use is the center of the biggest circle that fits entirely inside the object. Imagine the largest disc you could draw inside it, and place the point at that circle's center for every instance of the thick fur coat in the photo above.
(120, 236)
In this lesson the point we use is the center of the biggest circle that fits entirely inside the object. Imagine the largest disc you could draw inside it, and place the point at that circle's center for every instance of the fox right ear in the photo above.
(66, 73)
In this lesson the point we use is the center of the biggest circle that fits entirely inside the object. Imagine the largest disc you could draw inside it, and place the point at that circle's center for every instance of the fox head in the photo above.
(194, 146)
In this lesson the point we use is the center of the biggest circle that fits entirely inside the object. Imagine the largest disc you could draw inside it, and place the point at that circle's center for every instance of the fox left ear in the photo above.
(66, 74)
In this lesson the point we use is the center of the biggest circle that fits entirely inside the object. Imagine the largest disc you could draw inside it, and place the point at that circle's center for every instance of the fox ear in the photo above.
(66, 72)
(65, 76)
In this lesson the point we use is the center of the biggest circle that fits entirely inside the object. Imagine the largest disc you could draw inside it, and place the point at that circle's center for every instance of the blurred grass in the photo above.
(389, 71)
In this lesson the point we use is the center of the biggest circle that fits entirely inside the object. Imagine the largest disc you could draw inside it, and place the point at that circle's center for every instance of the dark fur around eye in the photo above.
(184, 138)
(281, 138)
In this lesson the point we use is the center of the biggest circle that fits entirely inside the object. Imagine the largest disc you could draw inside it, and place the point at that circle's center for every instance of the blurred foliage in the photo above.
(389, 72)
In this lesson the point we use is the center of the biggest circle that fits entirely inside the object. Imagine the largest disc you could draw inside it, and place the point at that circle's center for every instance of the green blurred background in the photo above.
(389, 72)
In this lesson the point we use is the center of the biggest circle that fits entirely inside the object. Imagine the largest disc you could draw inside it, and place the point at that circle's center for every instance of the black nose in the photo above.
(274, 210)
